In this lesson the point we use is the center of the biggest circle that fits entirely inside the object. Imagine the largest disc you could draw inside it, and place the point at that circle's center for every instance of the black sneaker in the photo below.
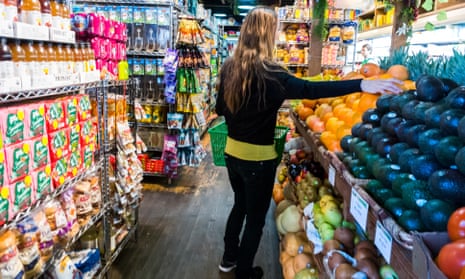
(257, 273)
(227, 266)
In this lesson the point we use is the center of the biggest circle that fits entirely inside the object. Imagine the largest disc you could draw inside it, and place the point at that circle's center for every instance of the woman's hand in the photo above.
(382, 86)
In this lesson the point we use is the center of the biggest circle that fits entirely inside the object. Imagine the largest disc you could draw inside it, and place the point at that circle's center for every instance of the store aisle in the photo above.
(181, 230)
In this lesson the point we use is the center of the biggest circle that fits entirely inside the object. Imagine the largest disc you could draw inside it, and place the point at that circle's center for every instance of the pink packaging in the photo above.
(118, 31)
(17, 158)
(84, 107)
(60, 172)
(70, 105)
(12, 124)
(113, 49)
(42, 181)
(35, 120)
(54, 115)
(95, 45)
(58, 143)
(21, 196)
(113, 67)
(6, 209)
(40, 154)
(109, 28)
(75, 163)
(96, 24)
(121, 51)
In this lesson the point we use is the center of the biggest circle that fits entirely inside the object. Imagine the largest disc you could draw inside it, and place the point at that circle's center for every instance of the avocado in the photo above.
(401, 131)
(449, 121)
(345, 141)
(364, 129)
(461, 128)
(398, 101)
(456, 98)
(372, 116)
(448, 185)
(361, 172)
(366, 155)
(376, 137)
(386, 174)
(382, 194)
(383, 147)
(433, 115)
(419, 111)
(353, 143)
(428, 140)
(395, 206)
(429, 88)
(448, 85)
(372, 186)
(415, 194)
(376, 165)
(446, 150)
(383, 103)
(408, 110)
(400, 181)
(460, 160)
(435, 215)
(373, 131)
(423, 166)
(395, 151)
(355, 130)
(410, 221)
(413, 133)
(406, 157)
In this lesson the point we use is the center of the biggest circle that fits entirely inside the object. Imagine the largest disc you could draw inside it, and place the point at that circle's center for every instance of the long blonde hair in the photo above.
(251, 60)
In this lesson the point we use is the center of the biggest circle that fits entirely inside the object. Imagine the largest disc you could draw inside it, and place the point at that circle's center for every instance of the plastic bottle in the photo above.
(42, 58)
(85, 56)
(78, 61)
(19, 59)
(61, 59)
(65, 15)
(91, 58)
(11, 10)
(52, 67)
(46, 13)
(32, 58)
(30, 12)
(69, 54)
(56, 11)
(6, 62)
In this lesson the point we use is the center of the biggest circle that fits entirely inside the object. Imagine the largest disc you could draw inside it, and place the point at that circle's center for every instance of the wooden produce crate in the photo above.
(425, 247)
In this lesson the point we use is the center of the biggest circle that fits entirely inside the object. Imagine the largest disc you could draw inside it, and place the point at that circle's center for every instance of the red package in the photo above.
(35, 120)
(60, 171)
(59, 144)
(55, 115)
(17, 161)
(75, 163)
(84, 107)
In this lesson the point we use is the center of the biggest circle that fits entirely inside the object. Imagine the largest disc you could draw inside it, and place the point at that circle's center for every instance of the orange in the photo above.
(310, 120)
(308, 103)
(327, 137)
(355, 105)
(367, 101)
(353, 75)
(322, 109)
(348, 116)
(350, 98)
(398, 72)
(343, 131)
(304, 113)
(327, 116)
(318, 126)
(408, 85)
(333, 124)
(337, 109)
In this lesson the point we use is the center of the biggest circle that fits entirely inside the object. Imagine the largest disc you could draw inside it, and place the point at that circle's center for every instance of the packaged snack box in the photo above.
(21, 194)
(40, 152)
(88, 131)
(59, 144)
(88, 155)
(42, 181)
(75, 163)
(54, 115)
(74, 137)
(70, 104)
(12, 124)
(35, 120)
(2, 167)
(84, 107)
(60, 171)
(17, 161)
(5, 205)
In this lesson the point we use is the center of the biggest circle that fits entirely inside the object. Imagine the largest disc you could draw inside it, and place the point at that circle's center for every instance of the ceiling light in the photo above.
(220, 15)
(245, 7)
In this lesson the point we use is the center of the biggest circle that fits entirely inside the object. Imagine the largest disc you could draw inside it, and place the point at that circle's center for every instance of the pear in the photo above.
(333, 216)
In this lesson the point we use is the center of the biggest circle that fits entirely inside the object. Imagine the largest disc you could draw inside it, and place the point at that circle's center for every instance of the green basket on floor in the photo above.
(219, 133)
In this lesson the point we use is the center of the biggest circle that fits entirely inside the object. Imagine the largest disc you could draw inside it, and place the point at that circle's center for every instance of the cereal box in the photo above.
(70, 105)
(42, 181)
(21, 194)
(60, 171)
(5, 205)
(88, 155)
(12, 124)
(2, 167)
(17, 161)
(74, 137)
(84, 107)
(35, 120)
(40, 152)
(75, 163)
(54, 115)
(59, 144)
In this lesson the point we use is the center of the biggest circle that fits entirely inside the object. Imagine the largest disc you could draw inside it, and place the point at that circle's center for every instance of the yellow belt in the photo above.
(248, 151)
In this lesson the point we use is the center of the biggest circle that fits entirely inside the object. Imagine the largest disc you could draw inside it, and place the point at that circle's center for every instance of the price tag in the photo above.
(31, 32)
(62, 36)
(332, 175)
(359, 209)
(383, 240)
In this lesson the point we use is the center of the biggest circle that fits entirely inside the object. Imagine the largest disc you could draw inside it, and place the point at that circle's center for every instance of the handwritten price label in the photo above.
(383, 240)
(359, 209)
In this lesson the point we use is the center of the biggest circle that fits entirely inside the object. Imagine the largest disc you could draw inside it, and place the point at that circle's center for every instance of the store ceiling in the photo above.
(229, 7)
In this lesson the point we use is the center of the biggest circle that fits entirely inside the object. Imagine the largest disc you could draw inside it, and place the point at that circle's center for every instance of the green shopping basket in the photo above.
(219, 133)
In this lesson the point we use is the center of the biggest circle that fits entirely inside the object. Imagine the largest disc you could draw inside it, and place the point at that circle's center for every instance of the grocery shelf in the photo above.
(145, 53)
(346, 185)
(24, 31)
(295, 21)
(151, 125)
(93, 220)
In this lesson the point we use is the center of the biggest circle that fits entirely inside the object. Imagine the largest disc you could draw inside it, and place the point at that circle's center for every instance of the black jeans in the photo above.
(252, 183)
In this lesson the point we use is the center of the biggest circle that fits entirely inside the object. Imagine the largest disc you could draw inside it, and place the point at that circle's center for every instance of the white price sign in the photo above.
(332, 175)
(383, 240)
(359, 209)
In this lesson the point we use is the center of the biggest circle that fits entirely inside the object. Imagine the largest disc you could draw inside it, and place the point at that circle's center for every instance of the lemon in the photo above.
(5, 192)
(48, 170)
(28, 181)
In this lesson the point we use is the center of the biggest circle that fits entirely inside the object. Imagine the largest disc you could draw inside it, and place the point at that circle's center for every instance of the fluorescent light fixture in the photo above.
(245, 7)
(220, 15)
(243, 14)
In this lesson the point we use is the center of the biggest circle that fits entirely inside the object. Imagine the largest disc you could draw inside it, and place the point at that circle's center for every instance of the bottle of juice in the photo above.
(56, 11)
(6, 62)
(85, 56)
(91, 58)
(65, 14)
(69, 53)
(52, 66)
(11, 10)
(32, 58)
(78, 60)
(30, 12)
(46, 12)
(61, 59)
(19, 59)
(42, 58)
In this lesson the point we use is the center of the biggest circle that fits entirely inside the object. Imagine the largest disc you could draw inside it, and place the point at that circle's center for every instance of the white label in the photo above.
(359, 209)
(64, 36)
(10, 85)
(79, 67)
(31, 17)
(57, 22)
(6, 69)
(383, 240)
(31, 32)
(2, 12)
(20, 68)
(6, 28)
(332, 175)
(47, 20)
(11, 13)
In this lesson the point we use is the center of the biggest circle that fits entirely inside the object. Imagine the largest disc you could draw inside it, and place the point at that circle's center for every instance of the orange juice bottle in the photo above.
(46, 12)
(91, 58)
(85, 57)
(30, 12)
(56, 11)
(11, 10)
(69, 53)
(61, 59)
(6, 60)
(52, 59)
(78, 61)
(42, 58)
(19, 59)
(32, 59)
(65, 15)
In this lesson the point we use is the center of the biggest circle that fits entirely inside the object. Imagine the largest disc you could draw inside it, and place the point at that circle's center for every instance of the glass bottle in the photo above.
(32, 58)
(19, 59)
(55, 9)
(46, 12)
(30, 12)
(6, 62)
(11, 10)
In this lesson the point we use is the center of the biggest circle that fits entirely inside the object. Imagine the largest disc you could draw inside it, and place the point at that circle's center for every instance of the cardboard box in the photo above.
(426, 246)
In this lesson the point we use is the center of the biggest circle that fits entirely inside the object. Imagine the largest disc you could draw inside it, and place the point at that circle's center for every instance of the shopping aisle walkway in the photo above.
(181, 230)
